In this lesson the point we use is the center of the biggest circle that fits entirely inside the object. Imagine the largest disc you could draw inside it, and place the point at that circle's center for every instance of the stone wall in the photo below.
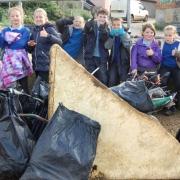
(167, 16)
(168, 12)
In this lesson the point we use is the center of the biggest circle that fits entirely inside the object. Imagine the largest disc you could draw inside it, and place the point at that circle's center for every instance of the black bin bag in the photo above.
(66, 148)
(16, 142)
(136, 94)
(40, 88)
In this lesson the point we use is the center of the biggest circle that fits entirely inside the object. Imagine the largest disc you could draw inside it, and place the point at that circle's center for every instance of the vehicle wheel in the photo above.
(132, 18)
(145, 19)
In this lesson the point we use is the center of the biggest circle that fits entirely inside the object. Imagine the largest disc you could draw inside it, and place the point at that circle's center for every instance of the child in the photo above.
(13, 41)
(170, 56)
(43, 36)
(72, 37)
(96, 55)
(146, 53)
(120, 53)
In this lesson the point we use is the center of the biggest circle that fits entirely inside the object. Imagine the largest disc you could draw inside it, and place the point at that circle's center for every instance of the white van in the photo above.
(137, 10)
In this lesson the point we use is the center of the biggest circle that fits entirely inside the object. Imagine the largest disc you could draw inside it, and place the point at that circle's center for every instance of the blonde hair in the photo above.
(19, 9)
(41, 10)
(80, 18)
(170, 28)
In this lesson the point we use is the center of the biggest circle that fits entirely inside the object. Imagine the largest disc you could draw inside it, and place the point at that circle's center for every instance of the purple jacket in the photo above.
(139, 58)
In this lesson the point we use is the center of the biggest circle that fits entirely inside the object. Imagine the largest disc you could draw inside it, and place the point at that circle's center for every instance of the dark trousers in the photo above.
(175, 77)
(24, 84)
(43, 74)
(117, 73)
(95, 62)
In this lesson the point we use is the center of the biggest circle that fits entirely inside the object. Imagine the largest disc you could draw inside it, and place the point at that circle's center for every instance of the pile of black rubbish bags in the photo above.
(33, 148)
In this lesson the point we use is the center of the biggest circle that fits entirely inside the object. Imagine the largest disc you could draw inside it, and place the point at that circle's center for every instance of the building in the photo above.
(150, 5)
(102, 3)
(168, 12)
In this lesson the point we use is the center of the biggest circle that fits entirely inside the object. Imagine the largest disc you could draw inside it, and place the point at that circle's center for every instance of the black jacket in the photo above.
(40, 53)
(124, 48)
(90, 34)
(62, 26)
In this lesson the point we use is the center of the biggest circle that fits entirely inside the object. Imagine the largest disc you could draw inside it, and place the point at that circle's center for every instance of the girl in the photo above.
(170, 58)
(43, 36)
(146, 53)
(13, 41)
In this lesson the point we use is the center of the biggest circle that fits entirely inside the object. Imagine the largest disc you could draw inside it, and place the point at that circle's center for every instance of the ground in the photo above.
(171, 123)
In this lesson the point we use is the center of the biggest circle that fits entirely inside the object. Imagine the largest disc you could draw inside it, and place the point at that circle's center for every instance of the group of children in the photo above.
(16, 41)
(105, 51)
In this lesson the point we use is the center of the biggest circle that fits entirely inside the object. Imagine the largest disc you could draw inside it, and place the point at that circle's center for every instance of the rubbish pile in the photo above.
(33, 148)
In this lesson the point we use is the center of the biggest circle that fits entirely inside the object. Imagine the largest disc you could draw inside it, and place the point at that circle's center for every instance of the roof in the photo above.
(153, 1)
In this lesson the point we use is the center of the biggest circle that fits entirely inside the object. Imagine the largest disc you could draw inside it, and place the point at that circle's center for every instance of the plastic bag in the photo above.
(40, 88)
(136, 94)
(66, 149)
(16, 142)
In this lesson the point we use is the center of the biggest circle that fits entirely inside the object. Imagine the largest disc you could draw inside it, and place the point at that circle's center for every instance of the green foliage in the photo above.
(159, 26)
(84, 13)
(3, 16)
(52, 8)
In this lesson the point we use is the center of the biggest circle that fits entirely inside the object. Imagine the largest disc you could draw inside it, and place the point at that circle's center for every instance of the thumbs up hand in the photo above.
(43, 33)
(149, 52)
(174, 52)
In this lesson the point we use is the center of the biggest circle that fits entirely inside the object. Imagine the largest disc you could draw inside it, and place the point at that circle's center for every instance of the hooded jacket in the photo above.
(139, 58)
(40, 53)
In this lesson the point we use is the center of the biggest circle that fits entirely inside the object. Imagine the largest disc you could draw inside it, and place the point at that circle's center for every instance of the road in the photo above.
(137, 26)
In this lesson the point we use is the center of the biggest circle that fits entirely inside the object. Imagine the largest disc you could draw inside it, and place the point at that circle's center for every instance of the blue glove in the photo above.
(117, 32)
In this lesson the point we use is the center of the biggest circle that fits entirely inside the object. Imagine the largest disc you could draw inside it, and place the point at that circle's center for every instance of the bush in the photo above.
(159, 26)
(3, 16)
(77, 12)
(53, 10)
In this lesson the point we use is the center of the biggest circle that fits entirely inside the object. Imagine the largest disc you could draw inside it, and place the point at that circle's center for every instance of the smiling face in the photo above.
(116, 24)
(15, 18)
(169, 36)
(40, 18)
(78, 22)
(148, 34)
(101, 19)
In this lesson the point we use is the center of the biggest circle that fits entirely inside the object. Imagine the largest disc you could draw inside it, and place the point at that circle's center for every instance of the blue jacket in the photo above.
(90, 32)
(40, 53)
(139, 58)
(168, 59)
(21, 43)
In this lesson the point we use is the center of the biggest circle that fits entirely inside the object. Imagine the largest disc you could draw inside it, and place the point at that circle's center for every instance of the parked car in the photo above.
(119, 8)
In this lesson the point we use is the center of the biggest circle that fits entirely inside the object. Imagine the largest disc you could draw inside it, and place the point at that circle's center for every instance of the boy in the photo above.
(96, 56)
(170, 56)
(72, 36)
(119, 61)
